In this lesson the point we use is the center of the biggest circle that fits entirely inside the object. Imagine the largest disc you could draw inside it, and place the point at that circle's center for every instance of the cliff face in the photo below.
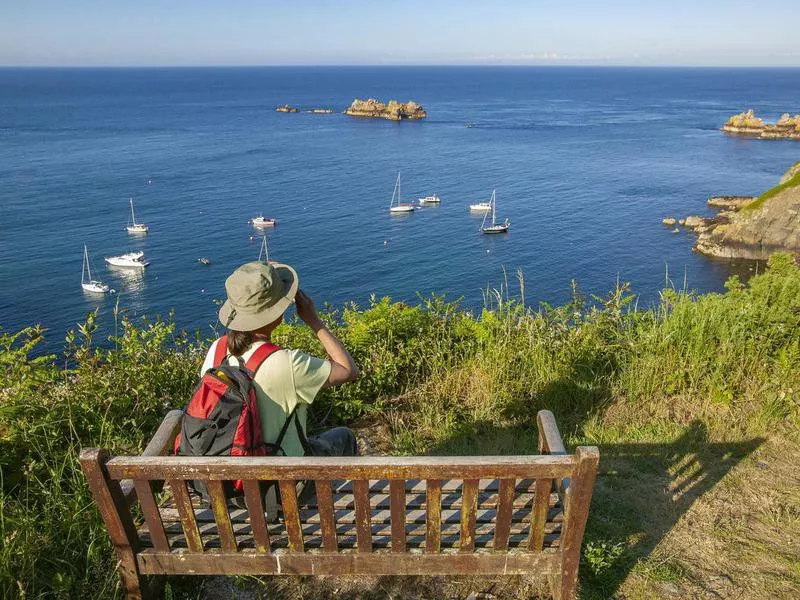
(768, 224)
(746, 123)
(394, 111)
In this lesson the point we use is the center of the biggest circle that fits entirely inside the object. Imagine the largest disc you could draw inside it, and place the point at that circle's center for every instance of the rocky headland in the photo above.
(748, 124)
(752, 228)
(394, 111)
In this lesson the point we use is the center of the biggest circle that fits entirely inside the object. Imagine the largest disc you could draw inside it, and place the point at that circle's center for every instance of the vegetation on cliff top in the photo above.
(793, 181)
(694, 403)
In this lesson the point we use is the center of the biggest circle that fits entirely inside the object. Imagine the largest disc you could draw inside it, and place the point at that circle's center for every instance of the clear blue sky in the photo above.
(239, 32)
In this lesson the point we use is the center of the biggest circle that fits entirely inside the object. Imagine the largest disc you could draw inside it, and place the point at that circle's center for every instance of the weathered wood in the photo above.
(347, 564)
(220, 507)
(291, 516)
(186, 511)
(539, 516)
(398, 519)
(255, 511)
(325, 514)
(433, 517)
(549, 436)
(152, 516)
(470, 493)
(355, 468)
(117, 517)
(363, 525)
(504, 514)
(576, 514)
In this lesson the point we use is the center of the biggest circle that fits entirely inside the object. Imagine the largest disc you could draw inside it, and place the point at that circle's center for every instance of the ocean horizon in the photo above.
(586, 162)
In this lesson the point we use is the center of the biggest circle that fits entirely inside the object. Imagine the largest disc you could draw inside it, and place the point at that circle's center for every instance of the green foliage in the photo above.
(450, 380)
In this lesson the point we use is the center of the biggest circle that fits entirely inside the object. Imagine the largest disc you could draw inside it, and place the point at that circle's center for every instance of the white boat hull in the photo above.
(137, 228)
(430, 200)
(95, 287)
(482, 207)
(134, 260)
(401, 209)
(260, 222)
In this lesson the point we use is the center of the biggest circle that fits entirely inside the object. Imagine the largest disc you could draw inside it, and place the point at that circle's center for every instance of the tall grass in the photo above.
(441, 376)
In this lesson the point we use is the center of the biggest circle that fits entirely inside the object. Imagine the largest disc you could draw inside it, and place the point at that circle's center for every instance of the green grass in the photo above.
(758, 202)
(686, 399)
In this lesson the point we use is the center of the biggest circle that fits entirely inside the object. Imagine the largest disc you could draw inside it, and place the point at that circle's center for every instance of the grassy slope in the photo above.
(792, 182)
(694, 404)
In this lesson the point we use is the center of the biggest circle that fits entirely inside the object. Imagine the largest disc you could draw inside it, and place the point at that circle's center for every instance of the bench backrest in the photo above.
(391, 507)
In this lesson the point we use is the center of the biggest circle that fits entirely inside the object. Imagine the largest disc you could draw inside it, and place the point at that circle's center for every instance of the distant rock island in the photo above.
(394, 111)
(287, 109)
(748, 124)
(752, 228)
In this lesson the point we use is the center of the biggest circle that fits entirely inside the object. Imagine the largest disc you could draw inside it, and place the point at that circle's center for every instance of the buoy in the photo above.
(203, 291)
(385, 242)
(149, 181)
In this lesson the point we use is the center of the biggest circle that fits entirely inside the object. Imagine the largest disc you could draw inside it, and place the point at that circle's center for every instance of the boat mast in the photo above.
(133, 216)
(264, 251)
(86, 268)
(494, 203)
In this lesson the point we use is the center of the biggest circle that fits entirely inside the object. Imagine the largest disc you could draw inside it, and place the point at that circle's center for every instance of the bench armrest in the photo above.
(549, 437)
(159, 445)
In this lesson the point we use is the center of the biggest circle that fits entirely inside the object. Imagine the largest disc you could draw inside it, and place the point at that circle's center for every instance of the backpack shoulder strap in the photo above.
(262, 353)
(221, 350)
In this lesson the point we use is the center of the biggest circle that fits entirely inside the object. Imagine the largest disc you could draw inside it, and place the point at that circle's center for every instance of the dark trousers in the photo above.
(338, 441)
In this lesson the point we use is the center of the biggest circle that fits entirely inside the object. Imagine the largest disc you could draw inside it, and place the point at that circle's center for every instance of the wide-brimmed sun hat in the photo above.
(258, 294)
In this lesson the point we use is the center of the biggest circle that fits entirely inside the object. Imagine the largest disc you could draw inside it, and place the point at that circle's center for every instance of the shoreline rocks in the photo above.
(394, 111)
(752, 228)
(749, 125)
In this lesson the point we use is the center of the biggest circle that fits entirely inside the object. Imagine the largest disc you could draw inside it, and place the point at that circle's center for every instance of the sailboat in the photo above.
(495, 227)
(135, 227)
(263, 254)
(400, 207)
(87, 283)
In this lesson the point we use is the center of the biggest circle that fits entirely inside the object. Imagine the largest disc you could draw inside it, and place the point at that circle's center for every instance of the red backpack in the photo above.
(222, 417)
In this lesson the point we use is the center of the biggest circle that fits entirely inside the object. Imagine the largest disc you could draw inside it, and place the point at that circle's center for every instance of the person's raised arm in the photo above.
(343, 369)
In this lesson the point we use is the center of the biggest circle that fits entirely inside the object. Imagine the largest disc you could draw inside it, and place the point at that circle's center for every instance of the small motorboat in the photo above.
(129, 259)
(430, 200)
(261, 221)
(204, 261)
(480, 207)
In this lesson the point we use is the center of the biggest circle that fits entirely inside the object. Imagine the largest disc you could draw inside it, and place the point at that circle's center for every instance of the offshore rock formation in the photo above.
(394, 111)
(754, 229)
(746, 123)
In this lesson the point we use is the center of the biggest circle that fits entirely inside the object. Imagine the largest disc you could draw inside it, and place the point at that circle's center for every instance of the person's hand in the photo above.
(304, 306)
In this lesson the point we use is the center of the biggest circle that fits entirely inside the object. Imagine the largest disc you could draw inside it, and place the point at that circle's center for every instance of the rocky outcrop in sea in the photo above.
(748, 124)
(752, 228)
(394, 111)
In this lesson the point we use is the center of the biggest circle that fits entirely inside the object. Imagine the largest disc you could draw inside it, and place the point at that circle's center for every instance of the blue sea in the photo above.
(586, 162)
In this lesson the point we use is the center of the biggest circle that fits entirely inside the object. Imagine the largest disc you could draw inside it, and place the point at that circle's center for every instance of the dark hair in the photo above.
(239, 341)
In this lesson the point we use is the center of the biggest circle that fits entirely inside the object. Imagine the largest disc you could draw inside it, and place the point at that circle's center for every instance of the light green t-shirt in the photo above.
(288, 378)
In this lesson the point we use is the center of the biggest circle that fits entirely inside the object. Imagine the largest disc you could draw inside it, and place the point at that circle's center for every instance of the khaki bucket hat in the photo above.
(258, 294)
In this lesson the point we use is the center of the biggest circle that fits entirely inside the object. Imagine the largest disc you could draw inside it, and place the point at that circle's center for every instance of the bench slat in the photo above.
(539, 516)
(470, 494)
(255, 514)
(433, 516)
(325, 514)
(152, 516)
(219, 505)
(184, 505)
(505, 512)
(398, 515)
(290, 514)
(363, 527)
(356, 468)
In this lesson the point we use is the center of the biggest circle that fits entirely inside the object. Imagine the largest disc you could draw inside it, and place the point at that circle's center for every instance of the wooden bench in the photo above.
(432, 515)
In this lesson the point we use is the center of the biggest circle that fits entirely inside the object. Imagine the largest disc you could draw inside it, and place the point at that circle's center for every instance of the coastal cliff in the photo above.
(753, 228)
(748, 124)
(394, 111)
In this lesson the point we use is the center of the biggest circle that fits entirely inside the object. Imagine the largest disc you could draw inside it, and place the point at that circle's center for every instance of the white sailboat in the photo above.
(400, 207)
(129, 259)
(87, 283)
(263, 253)
(495, 227)
(133, 226)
